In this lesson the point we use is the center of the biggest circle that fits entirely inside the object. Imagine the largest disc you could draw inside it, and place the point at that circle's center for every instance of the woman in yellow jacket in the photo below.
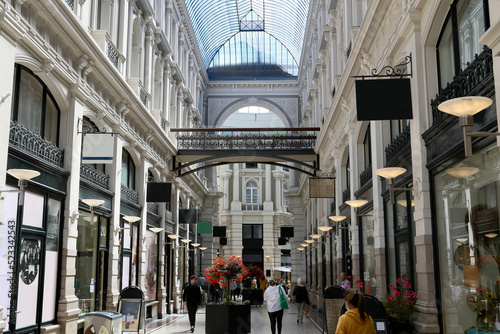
(355, 320)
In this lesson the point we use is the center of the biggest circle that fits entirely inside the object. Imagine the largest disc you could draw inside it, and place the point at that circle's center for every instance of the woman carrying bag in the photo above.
(301, 299)
(275, 305)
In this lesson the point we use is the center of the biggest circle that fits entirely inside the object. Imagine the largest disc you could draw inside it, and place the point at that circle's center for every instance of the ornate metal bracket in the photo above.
(86, 130)
(390, 71)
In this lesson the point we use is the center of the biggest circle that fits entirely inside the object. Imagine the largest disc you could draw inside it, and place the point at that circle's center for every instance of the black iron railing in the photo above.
(153, 208)
(366, 175)
(93, 175)
(469, 82)
(71, 3)
(129, 194)
(398, 145)
(248, 139)
(32, 144)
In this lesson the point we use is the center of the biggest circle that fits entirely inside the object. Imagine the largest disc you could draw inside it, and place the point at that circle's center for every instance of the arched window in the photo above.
(128, 170)
(459, 39)
(34, 107)
(251, 193)
(367, 149)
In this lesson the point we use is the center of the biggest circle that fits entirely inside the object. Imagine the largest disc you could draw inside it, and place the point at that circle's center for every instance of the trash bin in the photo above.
(103, 322)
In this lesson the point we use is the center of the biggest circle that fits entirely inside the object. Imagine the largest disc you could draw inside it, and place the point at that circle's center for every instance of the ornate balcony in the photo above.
(33, 145)
(471, 81)
(113, 53)
(366, 175)
(252, 207)
(130, 195)
(398, 145)
(89, 173)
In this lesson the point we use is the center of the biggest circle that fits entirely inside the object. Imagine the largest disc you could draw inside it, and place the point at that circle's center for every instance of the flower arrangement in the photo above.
(400, 303)
(225, 270)
(480, 300)
(255, 271)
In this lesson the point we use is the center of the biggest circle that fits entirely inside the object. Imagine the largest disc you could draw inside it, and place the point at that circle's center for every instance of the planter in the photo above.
(255, 296)
(228, 319)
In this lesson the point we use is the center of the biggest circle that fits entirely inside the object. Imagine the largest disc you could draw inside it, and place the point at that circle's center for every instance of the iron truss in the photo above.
(198, 149)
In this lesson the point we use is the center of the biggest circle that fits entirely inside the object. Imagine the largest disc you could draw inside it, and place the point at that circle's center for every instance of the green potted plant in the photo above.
(227, 317)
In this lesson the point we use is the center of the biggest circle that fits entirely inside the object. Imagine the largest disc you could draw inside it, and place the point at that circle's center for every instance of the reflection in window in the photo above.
(468, 241)
(34, 106)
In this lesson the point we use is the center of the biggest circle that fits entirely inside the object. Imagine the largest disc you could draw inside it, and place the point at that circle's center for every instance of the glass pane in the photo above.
(468, 242)
(370, 281)
(51, 118)
(133, 267)
(126, 272)
(404, 259)
(53, 221)
(152, 263)
(125, 171)
(391, 248)
(126, 236)
(103, 230)
(50, 284)
(86, 264)
(446, 58)
(401, 211)
(257, 231)
(470, 28)
(247, 231)
(30, 102)
(33, 209)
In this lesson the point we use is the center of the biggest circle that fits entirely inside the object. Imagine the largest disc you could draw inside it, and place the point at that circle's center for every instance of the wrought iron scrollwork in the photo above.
(396, 71)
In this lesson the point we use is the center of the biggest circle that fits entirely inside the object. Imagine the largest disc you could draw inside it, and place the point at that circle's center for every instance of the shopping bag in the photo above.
(283, 302)
(308, 311)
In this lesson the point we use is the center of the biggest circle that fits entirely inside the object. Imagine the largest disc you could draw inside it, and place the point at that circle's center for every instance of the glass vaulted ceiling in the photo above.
(249, 39)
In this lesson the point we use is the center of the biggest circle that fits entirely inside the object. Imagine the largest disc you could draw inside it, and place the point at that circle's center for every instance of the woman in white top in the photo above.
(272, 296)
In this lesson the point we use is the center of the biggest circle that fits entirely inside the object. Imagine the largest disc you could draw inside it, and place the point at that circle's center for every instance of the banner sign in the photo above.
(204, 228)
(320, 187)
(98, 148)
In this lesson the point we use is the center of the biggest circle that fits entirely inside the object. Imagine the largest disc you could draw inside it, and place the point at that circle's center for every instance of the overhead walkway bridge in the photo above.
(202, 148)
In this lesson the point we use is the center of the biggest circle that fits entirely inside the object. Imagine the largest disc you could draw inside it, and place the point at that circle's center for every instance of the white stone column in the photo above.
(268, 200)
(236, 203)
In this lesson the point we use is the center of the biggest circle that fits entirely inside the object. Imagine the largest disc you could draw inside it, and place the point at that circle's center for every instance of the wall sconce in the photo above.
(464, 108)
(304, 245)
(491, 235)
(390, 173)
(173, 236)
(309, 241)
(92, 203)
(131, 219)
(462, 172)
(300, 249)
(315, 236)
(267, 257)
(203, 249)
(325, 228)
(195, 245)
(356, 203)
(186, 241)
(156, 229)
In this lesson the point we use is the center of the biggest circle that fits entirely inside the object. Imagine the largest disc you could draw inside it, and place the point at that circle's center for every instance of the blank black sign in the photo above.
(286, 232)
(383, 99)
(159, 192)
(281, 241)
(219, 231)
(187, 216)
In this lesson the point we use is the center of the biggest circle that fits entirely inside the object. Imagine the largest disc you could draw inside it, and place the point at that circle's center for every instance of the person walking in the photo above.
(272, 296)
(300, 297)
(355, 320)
(191, 297)
(344, 282)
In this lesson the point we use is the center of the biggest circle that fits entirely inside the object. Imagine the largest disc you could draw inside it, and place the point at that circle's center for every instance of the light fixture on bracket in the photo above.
(356, 203)
(462, 240)
(337, 218)
(92, 203)
(173, 236)
(300, 248)
(462, 172)
(195, 245)
(304, 245)
(186, 241)
(389, 174)
(465, 108)
(491, 235)
(325, 228)
(309, 241)
(156, 229)
(132, 219)
(203, 249)
(315, 236)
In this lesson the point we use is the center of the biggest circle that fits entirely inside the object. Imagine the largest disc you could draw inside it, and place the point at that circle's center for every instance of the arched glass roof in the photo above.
(262, 25)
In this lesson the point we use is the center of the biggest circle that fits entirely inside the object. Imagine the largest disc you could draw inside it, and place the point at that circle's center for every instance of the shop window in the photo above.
(468, 241)
(367, 149)
(459, 39)
(252, 231)
(151, 264)
(34, 107)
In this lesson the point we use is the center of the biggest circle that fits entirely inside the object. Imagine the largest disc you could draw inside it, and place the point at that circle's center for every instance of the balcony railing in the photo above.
(366, 175)
(346, 194)
(113, 53)
(153, 208)
(169, 216)
(469, 82)
(130, 194)
(252, 207)
(93, 175)
(32, 144)
(248, 140)
(398, 145)
(71, 3)
(143, 96)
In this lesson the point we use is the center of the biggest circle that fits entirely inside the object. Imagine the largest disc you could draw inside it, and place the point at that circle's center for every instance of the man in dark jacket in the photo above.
(191, 296)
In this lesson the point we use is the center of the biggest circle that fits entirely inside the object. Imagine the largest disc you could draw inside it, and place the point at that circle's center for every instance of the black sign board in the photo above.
(159, 192)
(187, 216)
(219, 231)
(383, 99)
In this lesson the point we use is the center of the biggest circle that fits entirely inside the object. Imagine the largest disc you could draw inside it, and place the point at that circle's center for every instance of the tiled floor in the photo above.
(179, 323)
